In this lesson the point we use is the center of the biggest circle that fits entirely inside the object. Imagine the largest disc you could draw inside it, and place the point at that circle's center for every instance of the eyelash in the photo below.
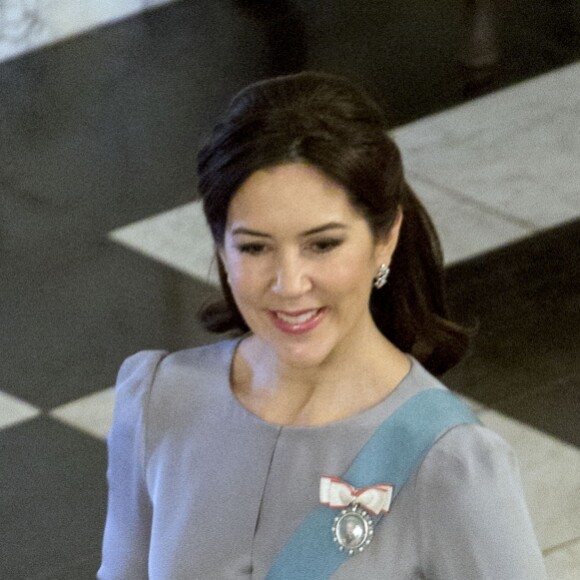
(251, 249)
(319, 246)
(326, 245)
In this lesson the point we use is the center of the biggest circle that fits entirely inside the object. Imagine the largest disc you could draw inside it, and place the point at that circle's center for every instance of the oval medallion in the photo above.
(353, 529)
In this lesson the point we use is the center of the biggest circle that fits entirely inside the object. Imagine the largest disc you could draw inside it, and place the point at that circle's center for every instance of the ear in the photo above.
(386, 244)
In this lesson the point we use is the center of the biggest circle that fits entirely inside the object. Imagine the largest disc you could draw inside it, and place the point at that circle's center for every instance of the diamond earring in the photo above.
(381, 277)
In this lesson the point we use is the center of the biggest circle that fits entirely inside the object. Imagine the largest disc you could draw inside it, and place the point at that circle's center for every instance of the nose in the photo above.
(291, 278)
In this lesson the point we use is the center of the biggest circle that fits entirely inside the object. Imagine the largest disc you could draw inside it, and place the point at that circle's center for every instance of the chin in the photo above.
(304, 355)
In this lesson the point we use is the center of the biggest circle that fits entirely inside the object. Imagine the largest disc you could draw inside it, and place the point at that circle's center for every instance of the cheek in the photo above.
(353, 271)
(350, 284)
(245, 296)
(241, 286)
(245, 282)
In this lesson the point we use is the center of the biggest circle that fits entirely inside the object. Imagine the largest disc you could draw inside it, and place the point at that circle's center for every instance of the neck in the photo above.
(342, 385)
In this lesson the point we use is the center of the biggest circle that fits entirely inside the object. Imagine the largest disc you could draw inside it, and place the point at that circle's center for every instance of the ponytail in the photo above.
(411, 309)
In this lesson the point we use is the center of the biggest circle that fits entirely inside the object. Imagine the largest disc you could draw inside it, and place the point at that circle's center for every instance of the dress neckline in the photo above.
(381, 409)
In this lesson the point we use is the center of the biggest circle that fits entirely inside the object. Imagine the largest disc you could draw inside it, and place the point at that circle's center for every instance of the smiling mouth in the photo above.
(296, 318)
(298, 322)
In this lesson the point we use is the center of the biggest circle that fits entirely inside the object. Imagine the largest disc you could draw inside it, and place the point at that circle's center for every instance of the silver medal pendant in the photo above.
(353, 529)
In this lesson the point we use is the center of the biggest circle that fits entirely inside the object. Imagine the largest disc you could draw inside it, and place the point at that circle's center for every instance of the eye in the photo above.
(253, 249)
(326, 244)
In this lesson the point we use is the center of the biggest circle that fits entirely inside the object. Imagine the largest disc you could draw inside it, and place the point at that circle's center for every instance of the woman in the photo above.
(222, 457)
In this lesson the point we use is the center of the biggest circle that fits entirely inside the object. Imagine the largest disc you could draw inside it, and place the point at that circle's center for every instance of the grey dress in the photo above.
(200, 488)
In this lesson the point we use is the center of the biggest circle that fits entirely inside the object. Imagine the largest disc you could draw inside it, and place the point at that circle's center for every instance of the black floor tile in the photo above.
(53, 501)
(64, 335)
(553, 407)
(83, 568)
(525, 300)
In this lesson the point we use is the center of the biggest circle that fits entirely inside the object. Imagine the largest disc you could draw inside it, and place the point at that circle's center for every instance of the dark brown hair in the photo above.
(328, 122)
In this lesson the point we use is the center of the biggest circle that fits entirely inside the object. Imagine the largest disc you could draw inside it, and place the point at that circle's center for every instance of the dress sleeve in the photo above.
(128, 525)
(472, 515)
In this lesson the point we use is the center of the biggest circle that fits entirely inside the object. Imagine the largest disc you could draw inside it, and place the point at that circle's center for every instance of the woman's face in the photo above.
(300, 262)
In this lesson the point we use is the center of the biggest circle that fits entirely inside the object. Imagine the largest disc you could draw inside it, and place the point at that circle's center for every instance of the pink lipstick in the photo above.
(297, 322)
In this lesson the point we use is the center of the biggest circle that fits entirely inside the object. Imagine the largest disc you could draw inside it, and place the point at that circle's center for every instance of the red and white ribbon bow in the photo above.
(338, 494)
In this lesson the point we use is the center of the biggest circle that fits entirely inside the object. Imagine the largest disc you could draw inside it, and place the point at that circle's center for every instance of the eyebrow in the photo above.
(317, 230)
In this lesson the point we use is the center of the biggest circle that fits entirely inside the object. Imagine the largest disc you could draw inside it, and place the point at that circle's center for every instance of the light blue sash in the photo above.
(391, 455)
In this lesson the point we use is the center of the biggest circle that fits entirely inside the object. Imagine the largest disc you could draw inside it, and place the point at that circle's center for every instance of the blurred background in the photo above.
(103, 250)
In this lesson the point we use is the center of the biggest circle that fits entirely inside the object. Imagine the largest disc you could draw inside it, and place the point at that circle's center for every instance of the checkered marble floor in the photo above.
(92, 277)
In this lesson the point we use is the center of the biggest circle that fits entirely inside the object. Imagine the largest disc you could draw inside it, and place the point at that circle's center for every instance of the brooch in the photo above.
(353, 528)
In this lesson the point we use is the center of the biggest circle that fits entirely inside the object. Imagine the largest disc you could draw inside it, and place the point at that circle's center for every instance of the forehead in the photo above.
(293, 194)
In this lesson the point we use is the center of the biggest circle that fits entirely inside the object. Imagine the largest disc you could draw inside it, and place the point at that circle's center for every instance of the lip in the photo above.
(297, 328)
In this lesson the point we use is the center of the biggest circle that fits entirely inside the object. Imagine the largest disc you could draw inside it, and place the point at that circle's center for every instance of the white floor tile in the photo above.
(66, 18)
(516, 150)
(464, 227)
(179, 238)
(551, 478)
(514, 107)
(14, 410)
(153, 3)
(21, 29)
(564, 563)
(92, 414)
(31, 24)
